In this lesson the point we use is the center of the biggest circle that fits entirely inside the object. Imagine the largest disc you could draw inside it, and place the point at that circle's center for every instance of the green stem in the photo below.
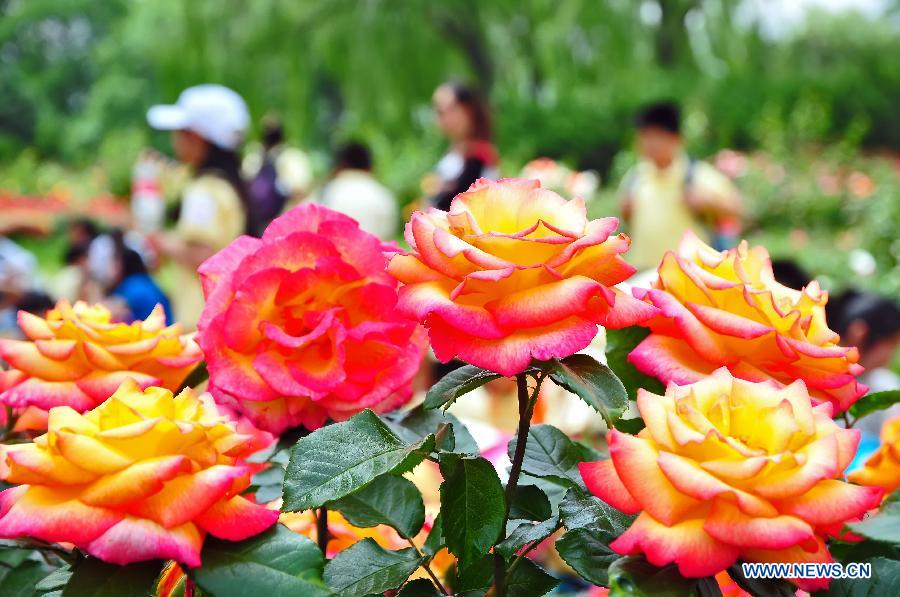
(526, 408)
(322, 530)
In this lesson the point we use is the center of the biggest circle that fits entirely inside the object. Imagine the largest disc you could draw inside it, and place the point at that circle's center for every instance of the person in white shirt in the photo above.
(353, 190)
(208, 124)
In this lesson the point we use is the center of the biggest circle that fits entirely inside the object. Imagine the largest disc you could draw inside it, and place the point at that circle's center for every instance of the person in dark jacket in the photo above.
(464, 119)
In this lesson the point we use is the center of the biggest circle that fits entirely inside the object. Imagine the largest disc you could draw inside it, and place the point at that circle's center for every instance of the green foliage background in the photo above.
(564, 76)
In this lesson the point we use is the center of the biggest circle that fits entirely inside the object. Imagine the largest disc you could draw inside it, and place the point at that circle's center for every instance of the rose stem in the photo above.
(526, 407)
(322, 530)
(427, 567)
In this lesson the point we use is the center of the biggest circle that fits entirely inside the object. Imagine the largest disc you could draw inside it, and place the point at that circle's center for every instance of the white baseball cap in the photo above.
(215, 112)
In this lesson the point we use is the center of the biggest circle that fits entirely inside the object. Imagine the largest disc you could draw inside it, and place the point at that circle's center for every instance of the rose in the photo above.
(726, 309)
(77, 357)
(301, 326)
(28, 418)
(514, 272)
(728, 469)
(143, 476)
(882, 469)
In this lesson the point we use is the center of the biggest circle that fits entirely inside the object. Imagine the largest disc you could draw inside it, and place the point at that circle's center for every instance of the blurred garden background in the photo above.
(798, 101)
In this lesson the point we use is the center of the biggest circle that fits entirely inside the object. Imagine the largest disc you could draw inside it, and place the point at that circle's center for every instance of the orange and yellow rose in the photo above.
(143, 476)
(726, 309)
(729, 470)
(882, 469)
(513, 273)
(300, 325)
(77, 356)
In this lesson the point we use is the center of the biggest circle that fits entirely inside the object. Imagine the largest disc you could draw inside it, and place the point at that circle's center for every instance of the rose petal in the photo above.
(685, 543)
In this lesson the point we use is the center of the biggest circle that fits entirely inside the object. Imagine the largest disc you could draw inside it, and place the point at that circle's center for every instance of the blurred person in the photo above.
(36, 303)
(668, 192)
(81, 231)
(464, 119)
(18, 277)
(122, 279)
(148, 205)
(872, 324)
(790, 274)
(277, 175)
(354, 190)
(18, 269)
(69, 281)
(208, 123)
(136, 288)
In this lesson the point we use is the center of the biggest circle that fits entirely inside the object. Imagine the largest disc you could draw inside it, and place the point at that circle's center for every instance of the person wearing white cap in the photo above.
(208, 124)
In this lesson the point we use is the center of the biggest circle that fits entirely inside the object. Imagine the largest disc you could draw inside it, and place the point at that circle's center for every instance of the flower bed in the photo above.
(314, 332)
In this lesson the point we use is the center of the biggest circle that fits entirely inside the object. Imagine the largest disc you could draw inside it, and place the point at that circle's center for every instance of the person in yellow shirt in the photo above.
(668, 192)
(208, 123)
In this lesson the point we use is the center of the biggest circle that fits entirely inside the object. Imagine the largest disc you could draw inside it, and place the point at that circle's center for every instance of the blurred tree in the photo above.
(564, 76)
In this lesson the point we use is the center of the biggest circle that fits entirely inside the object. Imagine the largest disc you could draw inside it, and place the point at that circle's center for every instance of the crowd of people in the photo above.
(224, 194)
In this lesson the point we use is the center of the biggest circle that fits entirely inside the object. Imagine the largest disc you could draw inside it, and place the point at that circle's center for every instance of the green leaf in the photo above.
(593, 382)
(630, 426)
(587, 554)
(268, 483)
(529, 580)
(336, 460)
(55, 580)
(418, 423)
(554, 490)
(633, 575)
(530, 503)
(472, 506)
(394, 501)
(12, 555)
(527, 532)
(457, 383)
(863, 551)
(874, 402)
(885, 580)
(275, 563)
(618, 344)
(592, 524)
(476, 577)
(421, 587)
(94, 578)
(771, 587)
(580, 510)
(194, 378)
(550, 453)
(883, 526)
(21, 580)
(366, 568)
(435, 540)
